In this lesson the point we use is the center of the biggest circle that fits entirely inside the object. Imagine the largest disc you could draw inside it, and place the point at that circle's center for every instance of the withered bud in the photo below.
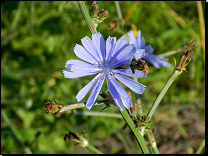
(132, 110)
(103, 13)
(190, 44)
(188, 53)
(74, 137)
(113, 24)
(52, 108)
(146, 118)
(94, 10)
(184, 60)
(139, 124)
(71, 136)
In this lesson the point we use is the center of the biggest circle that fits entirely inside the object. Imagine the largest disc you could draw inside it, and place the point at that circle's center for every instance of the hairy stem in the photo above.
(87, 17)
(136, 132)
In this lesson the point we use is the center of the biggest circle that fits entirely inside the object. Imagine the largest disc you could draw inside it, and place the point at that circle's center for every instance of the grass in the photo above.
(37, 38)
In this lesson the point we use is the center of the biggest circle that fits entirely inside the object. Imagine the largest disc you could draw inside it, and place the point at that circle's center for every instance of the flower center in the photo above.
(104, 68)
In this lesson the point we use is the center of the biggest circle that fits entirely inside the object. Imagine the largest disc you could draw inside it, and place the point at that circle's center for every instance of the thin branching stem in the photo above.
(184, 60)
(161, 95)
(79, 105)
(118, 9)
(154, 147)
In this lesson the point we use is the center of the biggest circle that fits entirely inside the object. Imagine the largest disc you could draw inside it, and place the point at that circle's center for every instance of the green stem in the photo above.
(161, 95)
(26, 149)
(137, 134)
(118, 9)
(138, 100)
(91, 148)
(114, 115)
(79, 105)
(171, 52)
(191, 44)
(87, 17)
(201, 147)
(154, 148)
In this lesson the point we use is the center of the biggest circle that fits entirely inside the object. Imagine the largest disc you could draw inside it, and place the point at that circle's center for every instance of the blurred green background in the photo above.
(37, 38)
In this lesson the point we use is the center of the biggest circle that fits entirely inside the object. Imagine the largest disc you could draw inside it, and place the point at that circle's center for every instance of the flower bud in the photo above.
(103, 14)
(184, 60)
(94, 10)
(52, 108)
(113, 24)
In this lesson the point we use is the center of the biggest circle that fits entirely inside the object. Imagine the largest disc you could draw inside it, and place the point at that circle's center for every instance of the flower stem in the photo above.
(191, 44)
(161, 95)
(154, 148)
(136, 132)
(79, 139)
(180, 67)
(171, 52)
(118, 9)
(138, 100)
(87, 17)
(93, 149)
(113, 115)
(79, 105)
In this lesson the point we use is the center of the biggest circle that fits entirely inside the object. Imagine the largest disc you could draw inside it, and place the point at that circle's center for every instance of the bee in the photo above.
(140, 65)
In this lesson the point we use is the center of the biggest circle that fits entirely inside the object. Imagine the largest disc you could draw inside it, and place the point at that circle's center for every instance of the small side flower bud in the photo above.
(94, 10)
(150, 138)
(113, 24)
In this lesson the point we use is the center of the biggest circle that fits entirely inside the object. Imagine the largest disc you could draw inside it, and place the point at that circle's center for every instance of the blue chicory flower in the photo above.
(139, 42)
(104, 61)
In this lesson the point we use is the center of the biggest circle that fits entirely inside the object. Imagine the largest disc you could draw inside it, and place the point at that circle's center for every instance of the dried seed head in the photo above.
(52, 108)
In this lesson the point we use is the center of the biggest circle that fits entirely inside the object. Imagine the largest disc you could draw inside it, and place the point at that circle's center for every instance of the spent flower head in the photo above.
(139, 42)
(184, 60)
(105, 60)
